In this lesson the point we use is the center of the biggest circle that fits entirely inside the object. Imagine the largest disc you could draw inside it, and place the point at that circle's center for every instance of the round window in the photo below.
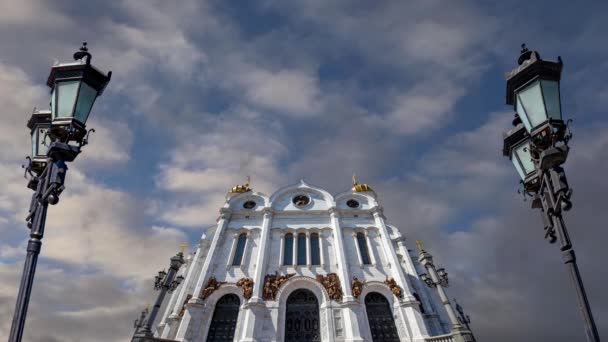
(249, 205)
(301, 200)
(352, 203)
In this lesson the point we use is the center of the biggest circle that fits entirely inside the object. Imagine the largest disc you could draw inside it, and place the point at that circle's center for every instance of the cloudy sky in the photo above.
(407, 94)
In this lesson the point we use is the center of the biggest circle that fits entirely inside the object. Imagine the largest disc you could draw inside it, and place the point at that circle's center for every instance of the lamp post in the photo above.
(165, 282)
(538, 146)
(438, 278)
(57, 137)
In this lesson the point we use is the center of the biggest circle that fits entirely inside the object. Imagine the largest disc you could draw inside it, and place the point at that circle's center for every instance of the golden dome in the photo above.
(237, 189)
(360, 187)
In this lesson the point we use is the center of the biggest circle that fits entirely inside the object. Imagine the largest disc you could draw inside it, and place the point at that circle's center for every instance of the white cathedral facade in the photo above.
(303, 265)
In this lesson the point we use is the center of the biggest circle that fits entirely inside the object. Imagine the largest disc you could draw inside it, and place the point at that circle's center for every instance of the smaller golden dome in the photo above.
(360, 187)
(237, 189)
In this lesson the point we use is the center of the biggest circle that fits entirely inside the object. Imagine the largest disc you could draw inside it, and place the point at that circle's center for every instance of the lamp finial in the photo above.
(419, 244)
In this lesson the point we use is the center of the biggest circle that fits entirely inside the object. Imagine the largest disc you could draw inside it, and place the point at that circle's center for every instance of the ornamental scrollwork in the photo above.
(392, 284)
(331, 282)
(272, 283)
(247, 285)
(212, 285)
(357, 287)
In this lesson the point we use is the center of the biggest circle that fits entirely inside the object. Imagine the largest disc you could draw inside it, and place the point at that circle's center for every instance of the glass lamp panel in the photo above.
(523, 116)
(66, 96)
(86, 98)
(522, 154)
(552, 99)
(532, 100)
(34, 143)
(44, 141)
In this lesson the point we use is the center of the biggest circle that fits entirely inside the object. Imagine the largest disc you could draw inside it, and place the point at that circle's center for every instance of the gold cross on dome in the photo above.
(419, 244)
(183, 247)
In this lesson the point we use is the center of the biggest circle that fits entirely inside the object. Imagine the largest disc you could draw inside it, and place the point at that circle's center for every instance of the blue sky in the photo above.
(409, 95)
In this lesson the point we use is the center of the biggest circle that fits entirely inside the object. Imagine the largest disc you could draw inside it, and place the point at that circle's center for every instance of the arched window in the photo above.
(302, 317)
(361, 241)
(315, 259)
(301, 249)
(380, 318)
(288, 249)
(240, 250)
(223, 323)
(419, 305)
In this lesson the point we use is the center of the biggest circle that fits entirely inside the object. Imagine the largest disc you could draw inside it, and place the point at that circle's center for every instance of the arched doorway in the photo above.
(380, 318)
(302, 317)
(224, 319)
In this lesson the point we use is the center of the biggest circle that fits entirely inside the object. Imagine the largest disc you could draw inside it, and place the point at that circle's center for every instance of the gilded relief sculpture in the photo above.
(247, 285)
(394, 287)
(331, 282)
(272, 283)
(357, 287)
(212, 285)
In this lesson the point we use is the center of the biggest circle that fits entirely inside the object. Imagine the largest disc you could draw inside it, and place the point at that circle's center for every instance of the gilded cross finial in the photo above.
(419, 244)
(183, 247)
(354, 179)
(248, 181)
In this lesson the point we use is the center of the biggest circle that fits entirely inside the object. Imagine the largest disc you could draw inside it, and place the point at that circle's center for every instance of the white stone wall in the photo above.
(329, 216)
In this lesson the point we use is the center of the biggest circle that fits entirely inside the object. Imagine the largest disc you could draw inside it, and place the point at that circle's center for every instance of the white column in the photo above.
(308, 261)
(248, 238)
(409, 303)
(370, 249)
(194, 311)
(281, 248)
(350, 305)
(254, 308)
(359, 257)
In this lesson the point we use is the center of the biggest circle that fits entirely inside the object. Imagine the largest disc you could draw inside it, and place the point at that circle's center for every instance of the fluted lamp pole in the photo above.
(538, 146)
(57, 137)
(438, 279)
(163, 282)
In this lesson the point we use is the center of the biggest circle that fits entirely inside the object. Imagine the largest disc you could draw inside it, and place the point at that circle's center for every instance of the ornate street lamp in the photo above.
(538, 146)
(437, 278)
(165, 282)
(75, 86)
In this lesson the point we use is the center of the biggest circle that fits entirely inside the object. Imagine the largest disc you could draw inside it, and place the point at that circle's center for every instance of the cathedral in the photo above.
(305, 265)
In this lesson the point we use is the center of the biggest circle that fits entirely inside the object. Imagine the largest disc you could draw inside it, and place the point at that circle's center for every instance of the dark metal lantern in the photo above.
(74, 88)
(533, 90)
(39, 125)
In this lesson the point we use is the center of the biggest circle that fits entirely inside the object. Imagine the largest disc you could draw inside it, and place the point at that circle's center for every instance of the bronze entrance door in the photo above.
(224, 319)
(380, 318)
(302, 317)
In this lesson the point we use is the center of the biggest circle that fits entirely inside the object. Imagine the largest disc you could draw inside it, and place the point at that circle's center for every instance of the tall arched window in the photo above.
(240, 250)
(363, 249)
(315, 259)
(380, 318)
(288, 249)
(301, 249)
(223, 322)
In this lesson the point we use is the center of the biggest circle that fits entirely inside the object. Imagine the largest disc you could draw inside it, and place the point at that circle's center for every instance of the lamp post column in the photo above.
(167, 284)
(459, 332)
